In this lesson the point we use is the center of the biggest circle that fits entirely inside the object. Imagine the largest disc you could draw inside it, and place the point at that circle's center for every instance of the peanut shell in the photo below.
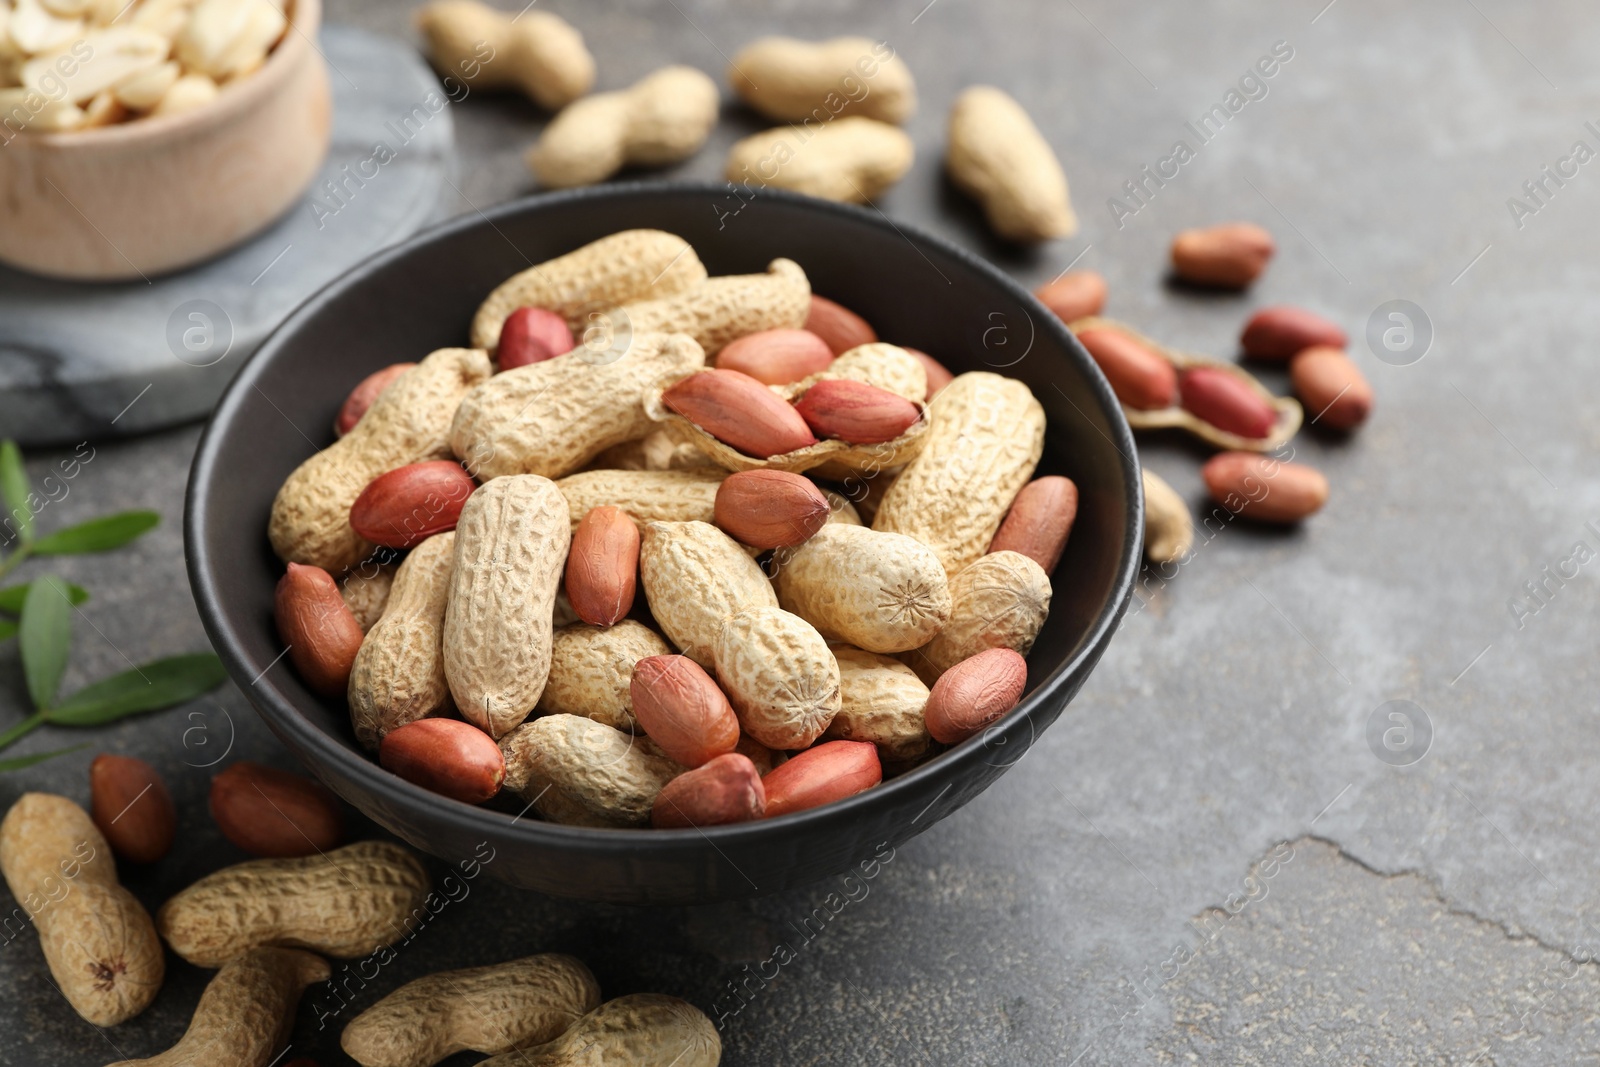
(398, 676)
(1001, 601)
(881, 701)
(591, 668)
(580, 772)
(987, 435)
(492, 1010)
(511, 546)
(779, 675)
(626, 266)
(551, 418)
(883, 592)
(345, 903)
(408, 423)
(695, 576)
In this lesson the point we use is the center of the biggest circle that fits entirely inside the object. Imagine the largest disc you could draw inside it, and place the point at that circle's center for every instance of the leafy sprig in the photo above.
(42, 623)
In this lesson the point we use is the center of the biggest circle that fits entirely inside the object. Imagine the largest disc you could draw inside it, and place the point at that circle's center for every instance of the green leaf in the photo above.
(154, 686)
(28, 761)
(14, 490)
(12, 596)
(46, 637)
(7, 630)
(97, 535)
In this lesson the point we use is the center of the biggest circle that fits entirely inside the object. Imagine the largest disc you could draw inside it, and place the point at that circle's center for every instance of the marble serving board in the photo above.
(94, 360)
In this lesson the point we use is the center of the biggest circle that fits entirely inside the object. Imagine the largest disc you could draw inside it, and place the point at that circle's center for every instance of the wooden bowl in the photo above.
(151, 195)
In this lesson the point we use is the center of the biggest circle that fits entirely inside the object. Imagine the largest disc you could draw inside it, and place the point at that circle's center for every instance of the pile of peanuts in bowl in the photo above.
(843, 552)
(80, 64)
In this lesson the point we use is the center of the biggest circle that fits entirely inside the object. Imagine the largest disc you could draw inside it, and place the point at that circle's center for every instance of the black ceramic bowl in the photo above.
(405, 302)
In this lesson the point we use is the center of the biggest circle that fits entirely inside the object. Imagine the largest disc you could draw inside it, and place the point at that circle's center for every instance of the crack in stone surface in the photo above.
(1337, 962)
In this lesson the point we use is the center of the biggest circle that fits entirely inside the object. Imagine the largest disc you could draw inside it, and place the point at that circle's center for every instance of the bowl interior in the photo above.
(915, 289)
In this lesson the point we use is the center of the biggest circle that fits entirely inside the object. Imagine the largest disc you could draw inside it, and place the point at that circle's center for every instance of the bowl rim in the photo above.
(288, 721)
(305, 17)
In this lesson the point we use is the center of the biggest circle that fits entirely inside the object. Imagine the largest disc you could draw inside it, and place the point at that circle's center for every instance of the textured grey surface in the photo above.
(125, 358)
(1441, 912)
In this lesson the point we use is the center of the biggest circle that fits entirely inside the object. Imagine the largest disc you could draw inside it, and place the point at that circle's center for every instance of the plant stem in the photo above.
(21, 729)
(10, 563)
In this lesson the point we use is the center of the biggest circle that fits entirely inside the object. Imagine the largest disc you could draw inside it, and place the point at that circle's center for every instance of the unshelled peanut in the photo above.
(398, 675)
(98, 940)
(642, 1028)
(246, 1013)
(345, 903)
(679, 556)
(409, 422)
(853, 160)
(511, 546)
(536, 52)
(663, 118)
(883, 592)
(626, 266)
(648, 496)
(551, 418)
(791, 80)
(591, 671)
(492, 1010)
(723, 309)
(881, 701)
(999, 601)
(997, 156)
(1168, 529)
(580, 772)
(779, 675)
(986, 436)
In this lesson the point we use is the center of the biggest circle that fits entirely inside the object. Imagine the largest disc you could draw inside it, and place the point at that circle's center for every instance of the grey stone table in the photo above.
(1213, 857)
